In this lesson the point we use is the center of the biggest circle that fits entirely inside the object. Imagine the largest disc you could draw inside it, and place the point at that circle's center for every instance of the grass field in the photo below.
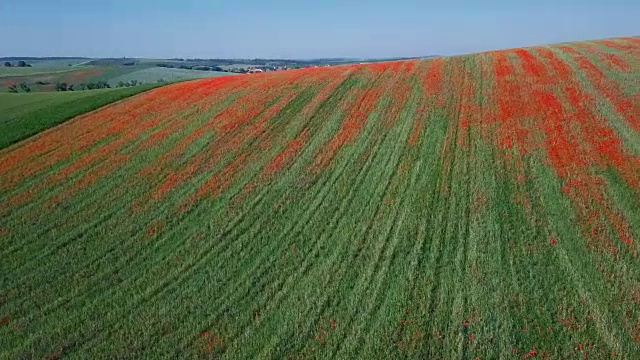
(154, 74)
(24, 115)
(483, 206)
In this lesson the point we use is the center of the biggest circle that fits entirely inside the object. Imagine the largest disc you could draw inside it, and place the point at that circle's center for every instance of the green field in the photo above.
(23, 115)
(154, 74)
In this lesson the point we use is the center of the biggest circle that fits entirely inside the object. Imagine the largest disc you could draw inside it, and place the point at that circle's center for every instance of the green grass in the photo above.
(24, 115)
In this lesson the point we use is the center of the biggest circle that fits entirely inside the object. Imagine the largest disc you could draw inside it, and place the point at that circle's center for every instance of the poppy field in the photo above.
(480, 206)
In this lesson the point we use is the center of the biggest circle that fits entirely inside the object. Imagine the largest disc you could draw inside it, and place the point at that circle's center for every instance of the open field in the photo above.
(482, 206)
(154, 74)
(24, 115)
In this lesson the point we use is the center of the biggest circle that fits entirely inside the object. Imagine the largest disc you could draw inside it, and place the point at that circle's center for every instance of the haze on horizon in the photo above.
(299, 30)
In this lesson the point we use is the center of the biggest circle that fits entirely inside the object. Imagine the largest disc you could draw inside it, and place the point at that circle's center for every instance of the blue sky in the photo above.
(301, 29)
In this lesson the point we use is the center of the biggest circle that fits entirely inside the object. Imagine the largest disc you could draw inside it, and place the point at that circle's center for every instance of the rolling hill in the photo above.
(480, 206)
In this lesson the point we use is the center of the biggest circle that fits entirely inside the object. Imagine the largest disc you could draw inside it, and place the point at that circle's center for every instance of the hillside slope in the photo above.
(476, 206)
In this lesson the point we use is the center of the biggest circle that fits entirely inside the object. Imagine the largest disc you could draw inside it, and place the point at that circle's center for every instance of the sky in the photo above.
(300, 29)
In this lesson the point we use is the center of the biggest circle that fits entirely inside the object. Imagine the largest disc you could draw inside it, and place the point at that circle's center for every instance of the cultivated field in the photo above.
(483, 206)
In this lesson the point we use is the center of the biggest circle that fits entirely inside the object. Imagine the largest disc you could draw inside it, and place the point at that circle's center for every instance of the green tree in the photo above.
(7, 64)
(22, 63)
